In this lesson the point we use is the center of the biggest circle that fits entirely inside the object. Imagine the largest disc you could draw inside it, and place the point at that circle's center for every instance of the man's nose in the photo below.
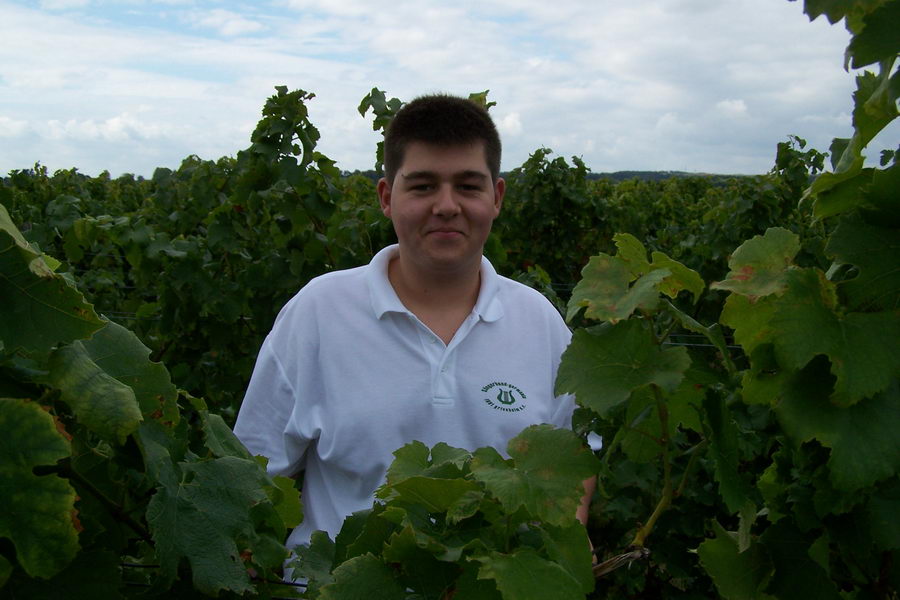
(446, 203)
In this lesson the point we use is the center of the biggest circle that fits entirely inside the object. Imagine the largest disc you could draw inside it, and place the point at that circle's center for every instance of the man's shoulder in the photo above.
(327, 289)
(519, 298)
(513, 289)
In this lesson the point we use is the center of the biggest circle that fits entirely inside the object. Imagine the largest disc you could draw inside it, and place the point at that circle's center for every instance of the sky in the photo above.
(705, 86)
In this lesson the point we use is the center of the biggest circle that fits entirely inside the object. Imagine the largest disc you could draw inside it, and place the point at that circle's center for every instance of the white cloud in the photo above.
(732, 108)
(226, 22)
(509, 125)
(12, 127)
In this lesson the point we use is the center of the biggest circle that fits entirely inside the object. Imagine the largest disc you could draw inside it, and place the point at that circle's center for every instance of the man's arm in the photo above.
(589, 486)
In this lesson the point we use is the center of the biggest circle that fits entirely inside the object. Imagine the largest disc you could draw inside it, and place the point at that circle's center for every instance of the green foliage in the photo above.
(450, 523)
(114, 482)
(789, 459)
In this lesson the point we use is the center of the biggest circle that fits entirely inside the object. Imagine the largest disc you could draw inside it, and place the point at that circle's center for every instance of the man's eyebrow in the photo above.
(419, 175)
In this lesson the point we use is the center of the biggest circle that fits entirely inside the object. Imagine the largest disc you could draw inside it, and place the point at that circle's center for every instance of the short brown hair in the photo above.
(442, 120)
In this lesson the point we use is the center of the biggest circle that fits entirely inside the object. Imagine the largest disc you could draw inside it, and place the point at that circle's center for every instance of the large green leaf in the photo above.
(679, 277)
(875, 251)
(419, 568)
(416, 460)
(121, 355)
(36, 512)
(40, 308)
(569, 547)
(101, 402)
(879, 39)
(201, 511)
(544, 476)
(724, 449)
(737, 575)
(749, 319)
(796, 575)
(604, 365)
(605, 294)
(524, 575)
(865, 447)
(314, 562)
(758, 266)
(363, 577)
(862, 347)
(436, 495)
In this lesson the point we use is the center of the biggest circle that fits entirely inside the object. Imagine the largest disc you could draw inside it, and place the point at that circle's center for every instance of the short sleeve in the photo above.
(264, 417)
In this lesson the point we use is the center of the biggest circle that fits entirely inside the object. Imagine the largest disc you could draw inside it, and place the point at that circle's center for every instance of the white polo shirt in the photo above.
(348, 375)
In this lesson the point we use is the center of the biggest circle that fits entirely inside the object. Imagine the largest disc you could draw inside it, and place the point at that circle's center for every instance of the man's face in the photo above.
(442, 203)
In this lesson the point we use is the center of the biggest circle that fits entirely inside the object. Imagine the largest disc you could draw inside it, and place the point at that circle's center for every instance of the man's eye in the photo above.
(422, 187)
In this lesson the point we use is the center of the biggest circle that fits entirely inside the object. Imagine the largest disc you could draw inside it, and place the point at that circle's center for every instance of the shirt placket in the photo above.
(442, 359)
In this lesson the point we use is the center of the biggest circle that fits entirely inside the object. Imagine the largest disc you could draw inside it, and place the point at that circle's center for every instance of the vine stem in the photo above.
(667, 492)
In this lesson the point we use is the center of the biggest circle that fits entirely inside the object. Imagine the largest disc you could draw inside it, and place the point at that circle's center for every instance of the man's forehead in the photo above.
(422, 159)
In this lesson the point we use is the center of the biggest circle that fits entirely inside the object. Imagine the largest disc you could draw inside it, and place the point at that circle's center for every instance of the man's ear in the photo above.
(499, 192)
(384, 196)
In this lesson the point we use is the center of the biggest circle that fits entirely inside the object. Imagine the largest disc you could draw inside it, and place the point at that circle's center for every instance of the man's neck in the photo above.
(440, 300)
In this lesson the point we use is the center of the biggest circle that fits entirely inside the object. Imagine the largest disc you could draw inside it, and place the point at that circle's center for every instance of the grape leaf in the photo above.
(879, 40)
(835, 10)
(861, 346)
(436, 495)
(679, 277)
(749, 319)
(524, 574)
(121, 354)
(40, 308)
(765, 380)
(201, 512)
(875, 251)
(363, 577)
(102, 403)
(758, 266)
(36, 512)
(314, 562)
(421, 571)
(605, 294)
(569, 547)
(735, 491)
(865, 447)
(545, 474)
(796, 575)
(737, 575)
(415, 459)
(604, 365)
(469, 587)
(221, 439)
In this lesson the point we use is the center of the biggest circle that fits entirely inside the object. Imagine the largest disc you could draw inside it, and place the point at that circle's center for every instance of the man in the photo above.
(426, 342)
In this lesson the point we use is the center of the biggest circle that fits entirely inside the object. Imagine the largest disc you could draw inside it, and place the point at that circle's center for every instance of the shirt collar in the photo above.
(384, 299)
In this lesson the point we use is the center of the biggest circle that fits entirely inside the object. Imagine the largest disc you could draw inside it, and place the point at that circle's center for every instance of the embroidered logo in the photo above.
(504, 396)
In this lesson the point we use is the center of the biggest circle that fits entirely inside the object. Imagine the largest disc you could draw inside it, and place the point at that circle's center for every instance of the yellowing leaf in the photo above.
(36, 512)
